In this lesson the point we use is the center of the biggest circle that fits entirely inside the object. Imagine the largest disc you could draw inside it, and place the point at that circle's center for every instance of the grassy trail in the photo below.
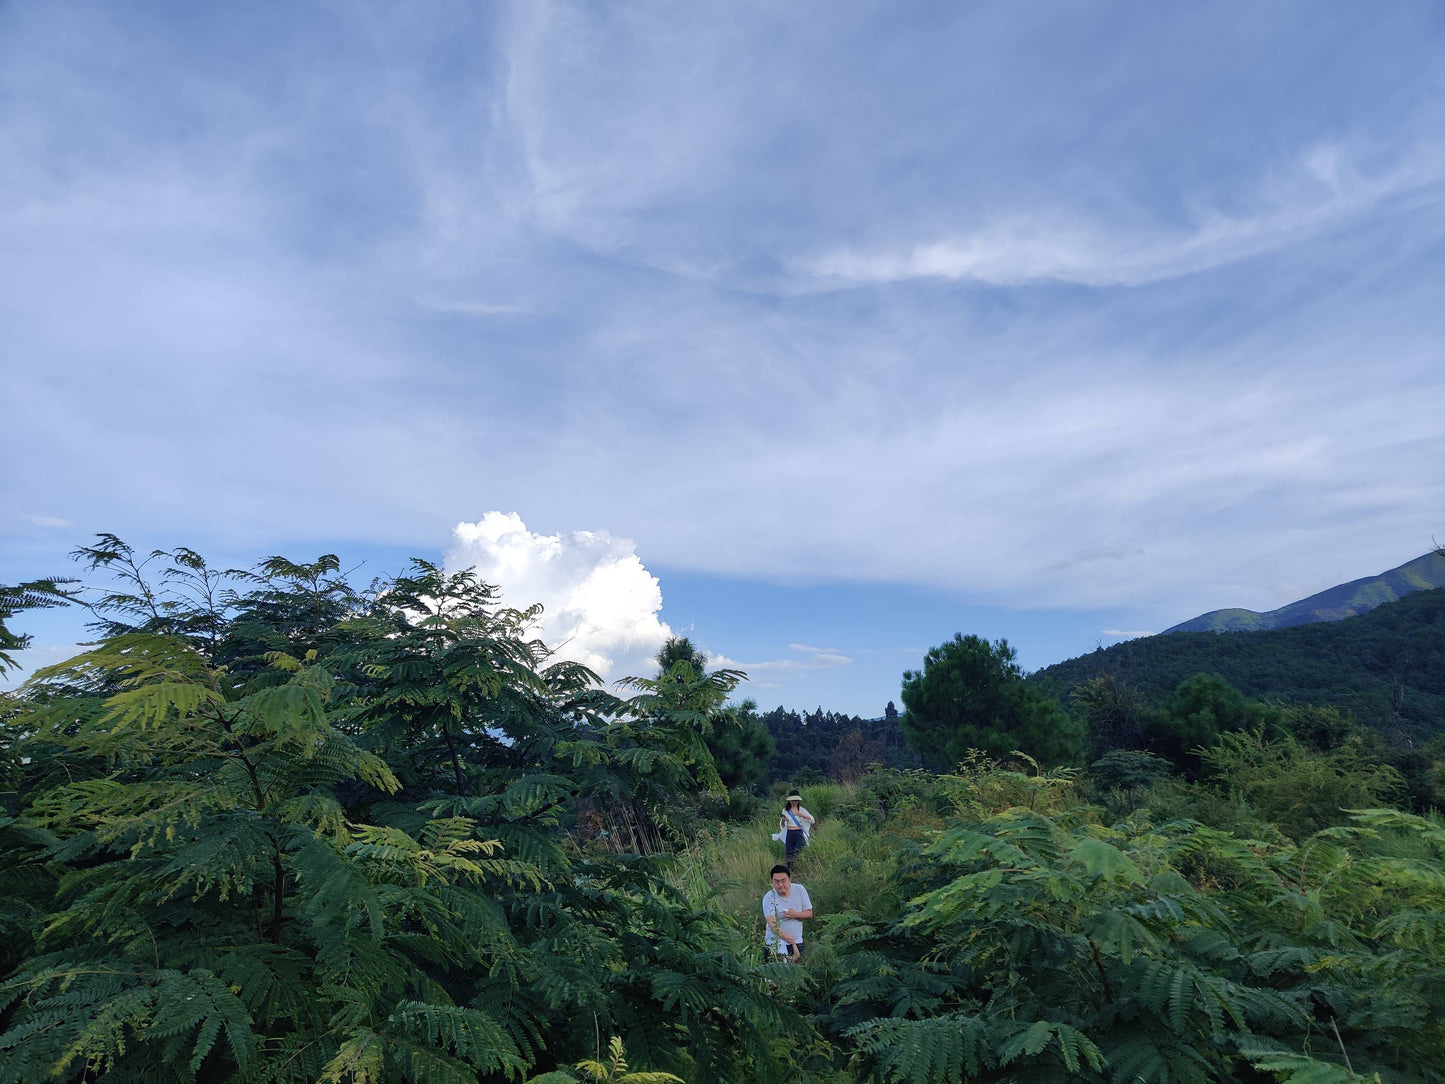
(847, 867)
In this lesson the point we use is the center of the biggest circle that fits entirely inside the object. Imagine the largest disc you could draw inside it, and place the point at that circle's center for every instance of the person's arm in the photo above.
(778, 933)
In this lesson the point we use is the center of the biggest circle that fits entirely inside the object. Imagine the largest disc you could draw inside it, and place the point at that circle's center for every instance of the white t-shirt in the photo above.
(774, 906)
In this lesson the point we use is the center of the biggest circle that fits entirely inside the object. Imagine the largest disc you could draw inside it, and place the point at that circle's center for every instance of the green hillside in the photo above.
(1338, 602)
(1386, 666)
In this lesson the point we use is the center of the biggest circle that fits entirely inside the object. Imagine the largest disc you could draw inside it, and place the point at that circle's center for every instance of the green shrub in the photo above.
(1045, 950)
(1295, 787)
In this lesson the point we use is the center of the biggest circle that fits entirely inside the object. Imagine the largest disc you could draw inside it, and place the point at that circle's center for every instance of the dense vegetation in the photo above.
(276, 827)
(1386, 667)
(971, 694)
(809, 747)
(1005, 925)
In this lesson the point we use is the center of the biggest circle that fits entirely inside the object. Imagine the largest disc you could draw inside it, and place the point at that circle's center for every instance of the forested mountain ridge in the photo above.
(1387, 666)
(1333, 604)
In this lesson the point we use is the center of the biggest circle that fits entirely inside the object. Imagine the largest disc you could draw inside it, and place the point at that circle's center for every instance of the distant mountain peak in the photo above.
(1345, 600)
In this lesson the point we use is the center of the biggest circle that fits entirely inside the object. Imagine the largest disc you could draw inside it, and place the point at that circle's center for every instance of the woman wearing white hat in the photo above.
(796, 826)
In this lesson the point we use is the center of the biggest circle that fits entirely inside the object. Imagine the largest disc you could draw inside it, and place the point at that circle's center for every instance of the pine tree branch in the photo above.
(1104, 978)
(278, 893)
(456, 761)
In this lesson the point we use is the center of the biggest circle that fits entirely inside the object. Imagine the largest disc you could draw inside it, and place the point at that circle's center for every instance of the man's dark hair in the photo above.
(780, 869)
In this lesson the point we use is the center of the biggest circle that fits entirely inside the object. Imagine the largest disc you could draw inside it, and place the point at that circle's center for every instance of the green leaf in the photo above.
(1104, 860)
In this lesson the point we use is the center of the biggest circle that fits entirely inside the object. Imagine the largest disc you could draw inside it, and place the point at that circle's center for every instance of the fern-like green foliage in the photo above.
(678, 711)
(272, 827)
(35, 595)
(303, 832)
(1054, 947)
(612, 1069)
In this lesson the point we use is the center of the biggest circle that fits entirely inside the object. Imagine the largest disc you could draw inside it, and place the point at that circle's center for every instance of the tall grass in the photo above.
(866, 835)
(861, 832)
(849, 866)
(734, 862)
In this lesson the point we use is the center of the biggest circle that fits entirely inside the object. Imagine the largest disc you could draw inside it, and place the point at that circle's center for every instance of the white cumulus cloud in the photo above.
(600, 604)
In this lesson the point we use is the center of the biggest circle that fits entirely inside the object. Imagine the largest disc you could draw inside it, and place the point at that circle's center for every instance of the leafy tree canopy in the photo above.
(34, 595)
(272, 827)
(736, 738)
(971, 694)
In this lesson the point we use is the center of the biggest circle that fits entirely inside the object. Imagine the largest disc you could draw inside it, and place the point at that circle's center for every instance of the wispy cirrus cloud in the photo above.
(461, 307)
(1323, 188)
(787, 293)
(804, 658)
(805, 663)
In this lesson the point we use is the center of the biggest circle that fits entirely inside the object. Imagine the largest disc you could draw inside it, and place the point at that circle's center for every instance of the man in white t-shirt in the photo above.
(784, 909)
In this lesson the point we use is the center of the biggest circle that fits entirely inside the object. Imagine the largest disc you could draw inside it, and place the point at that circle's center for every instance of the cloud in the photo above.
(770, 674)
(600, 604)
(48, 521)
(1098, 553)
(272, 264)
(1320, 189)
(806, 658)
(472, 308)
(1127, 634)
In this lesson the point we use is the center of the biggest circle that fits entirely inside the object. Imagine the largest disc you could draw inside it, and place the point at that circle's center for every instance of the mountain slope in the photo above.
(1332, 604)
(1386, 666)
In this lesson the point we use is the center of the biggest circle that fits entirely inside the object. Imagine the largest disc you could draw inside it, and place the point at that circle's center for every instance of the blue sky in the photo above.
(850, 325)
